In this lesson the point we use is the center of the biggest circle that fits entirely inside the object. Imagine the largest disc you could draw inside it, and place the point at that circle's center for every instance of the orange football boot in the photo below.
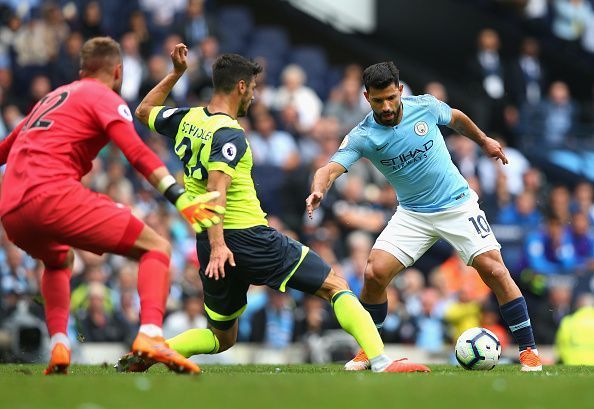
(156, 349)
(402, 365)
(59, 360)
(530, 361)
(359, 363)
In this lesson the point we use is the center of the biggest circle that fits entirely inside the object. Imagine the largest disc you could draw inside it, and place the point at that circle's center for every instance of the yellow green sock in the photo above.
(194, 342)
(356, 321)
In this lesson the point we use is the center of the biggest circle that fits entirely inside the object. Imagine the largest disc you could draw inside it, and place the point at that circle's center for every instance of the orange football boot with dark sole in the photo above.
(156, 349)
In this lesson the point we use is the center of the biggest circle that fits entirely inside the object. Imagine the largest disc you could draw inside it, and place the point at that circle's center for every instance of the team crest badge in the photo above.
(421, 128)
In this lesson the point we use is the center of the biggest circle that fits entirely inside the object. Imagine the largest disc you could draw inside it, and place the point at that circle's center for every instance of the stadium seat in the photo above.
(241, 22)
(273, 38)
(315, 63)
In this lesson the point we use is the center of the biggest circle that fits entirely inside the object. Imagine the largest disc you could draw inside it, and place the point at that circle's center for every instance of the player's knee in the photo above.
(376, 275)
(162, 246)
(333, 284)
(226, 342)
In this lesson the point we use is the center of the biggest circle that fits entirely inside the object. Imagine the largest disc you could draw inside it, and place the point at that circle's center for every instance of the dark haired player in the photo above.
(242, 250)
(402, 139)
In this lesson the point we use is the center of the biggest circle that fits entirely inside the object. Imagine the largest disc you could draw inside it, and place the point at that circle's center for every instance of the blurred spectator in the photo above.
(65, 67)
(181, 88)
(527, 75)
(343, 104)
(430, 325)
(96, 324)
(312, 318)
(458, 277)
(201, 75)
(193, 24)
(547, 252)
(133, 68)
(488, 168)
(571, 18)
(554, 118)
(583, 242)
(139, 27)
(93, 274)
(274, 324)
(559, 204)
(487, 75)
(271, 146)
(573, 341)
(15, 276)
(162, 18)
(522, 212)
(464, 313)
(157, 70)
(359, 246)
(191, 316)
(465, 154)
(294, 92)
(546, 319)
(91, 20)
(398, 325)
(583, 199)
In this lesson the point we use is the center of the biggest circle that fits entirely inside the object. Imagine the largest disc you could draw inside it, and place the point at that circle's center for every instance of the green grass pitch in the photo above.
(296, 386)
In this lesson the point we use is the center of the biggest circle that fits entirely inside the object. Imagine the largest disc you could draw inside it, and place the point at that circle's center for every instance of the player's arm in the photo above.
(463, 125)
(156, 97)
(7, 142)
(218, 183)
(198, 211)
(322, 181)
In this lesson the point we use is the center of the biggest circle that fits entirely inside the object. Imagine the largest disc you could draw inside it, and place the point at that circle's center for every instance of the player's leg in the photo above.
(512, 305)
(467, 229)
(312, 275)
(22, 228)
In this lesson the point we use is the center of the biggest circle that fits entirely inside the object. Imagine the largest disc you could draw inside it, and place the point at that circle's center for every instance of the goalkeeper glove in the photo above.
(197, 211)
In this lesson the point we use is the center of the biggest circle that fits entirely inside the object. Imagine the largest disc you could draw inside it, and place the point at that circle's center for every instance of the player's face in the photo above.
(247, 97)
(118, 78)
(385, 103)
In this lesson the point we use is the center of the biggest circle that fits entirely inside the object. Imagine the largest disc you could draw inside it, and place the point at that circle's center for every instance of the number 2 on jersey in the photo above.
(192, 165)
(38, 121)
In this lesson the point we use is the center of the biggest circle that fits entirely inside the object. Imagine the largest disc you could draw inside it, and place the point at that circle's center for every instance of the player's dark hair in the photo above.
(99, 53)
(229, 69)
(381, 75)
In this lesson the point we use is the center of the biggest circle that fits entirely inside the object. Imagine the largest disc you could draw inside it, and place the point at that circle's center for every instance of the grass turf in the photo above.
(296, 386)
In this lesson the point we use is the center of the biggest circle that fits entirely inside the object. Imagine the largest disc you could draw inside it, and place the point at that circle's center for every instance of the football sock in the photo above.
(380, 362)
(55, 288)
(153, 286)
(515, 314)
(151, 330)
(356, 321)
(194, 342)
(59, 338)
(378, 313)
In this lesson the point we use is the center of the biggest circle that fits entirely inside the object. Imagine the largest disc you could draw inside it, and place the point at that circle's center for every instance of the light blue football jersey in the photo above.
(412, 155)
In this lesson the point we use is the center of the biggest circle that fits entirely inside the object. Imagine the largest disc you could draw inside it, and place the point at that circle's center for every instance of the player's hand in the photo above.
(198, 212)
(313, 202)
(179, 57)
(219, 256)
(494, 150)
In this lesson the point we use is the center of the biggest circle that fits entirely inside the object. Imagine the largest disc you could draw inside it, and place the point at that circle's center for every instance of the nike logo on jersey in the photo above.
(486, 235)
(381, 147)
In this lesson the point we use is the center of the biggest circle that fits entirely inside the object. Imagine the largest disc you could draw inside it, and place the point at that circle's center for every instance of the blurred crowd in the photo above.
(293, 128)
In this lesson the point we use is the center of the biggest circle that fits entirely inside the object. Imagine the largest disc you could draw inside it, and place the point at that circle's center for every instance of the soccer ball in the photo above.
(478, 349)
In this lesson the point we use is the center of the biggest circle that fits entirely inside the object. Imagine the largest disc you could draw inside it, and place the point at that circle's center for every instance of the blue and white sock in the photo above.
(378, 313)
(515, 314)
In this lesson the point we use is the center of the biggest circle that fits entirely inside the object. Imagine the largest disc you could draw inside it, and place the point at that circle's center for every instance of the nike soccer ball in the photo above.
(478, 349)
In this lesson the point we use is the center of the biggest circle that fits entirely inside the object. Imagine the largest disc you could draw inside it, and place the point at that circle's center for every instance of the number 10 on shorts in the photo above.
(481, 225)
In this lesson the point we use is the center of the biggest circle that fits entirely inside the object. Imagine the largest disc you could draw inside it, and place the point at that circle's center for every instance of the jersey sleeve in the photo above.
(228, 147)
(111, 108)
(439, 109)
(165, 120)
(349, 151)
(7, 142)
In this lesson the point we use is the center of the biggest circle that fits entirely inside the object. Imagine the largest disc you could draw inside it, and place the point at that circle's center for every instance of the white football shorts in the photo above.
(410, 234)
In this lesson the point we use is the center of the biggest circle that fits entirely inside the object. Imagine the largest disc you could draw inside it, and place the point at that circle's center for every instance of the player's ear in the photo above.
(366, 94)
(401, 88)
(242, 87)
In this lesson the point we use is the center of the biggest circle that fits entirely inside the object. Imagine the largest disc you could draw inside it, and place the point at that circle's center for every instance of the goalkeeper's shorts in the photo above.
(71, 216)
(263, 256)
